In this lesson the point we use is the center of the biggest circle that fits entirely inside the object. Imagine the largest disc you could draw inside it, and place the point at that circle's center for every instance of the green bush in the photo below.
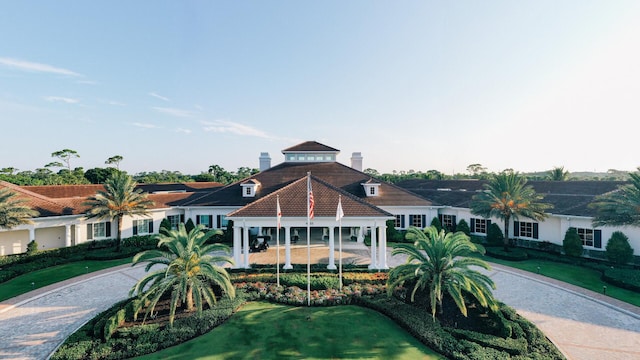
(624, 278)
(464, 227)
(514, 254)
(32, 247)
(572, 244)
(618, 249)
(495, 235)
(393, 234)
(437, 223)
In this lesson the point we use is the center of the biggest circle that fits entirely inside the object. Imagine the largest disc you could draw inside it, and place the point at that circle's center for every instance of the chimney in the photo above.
(265, 161)
(356, 161)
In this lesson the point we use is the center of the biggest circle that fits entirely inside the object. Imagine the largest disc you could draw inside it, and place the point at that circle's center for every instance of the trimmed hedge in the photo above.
(625, 278)
(514, 254)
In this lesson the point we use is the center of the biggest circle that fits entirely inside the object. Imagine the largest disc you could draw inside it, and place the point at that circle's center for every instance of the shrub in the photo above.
(618, 249)
(464, 227)
(624, 278)
(572, 244)
(514, 254)
(495, 235)
(394, 234)
(437, 223)
(32, 247)
(165, 224)
(189, 225)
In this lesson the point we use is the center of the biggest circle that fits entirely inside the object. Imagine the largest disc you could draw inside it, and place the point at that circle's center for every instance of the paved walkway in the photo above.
(583, 324)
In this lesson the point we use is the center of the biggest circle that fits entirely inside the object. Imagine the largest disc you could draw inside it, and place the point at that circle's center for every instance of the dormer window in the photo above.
(249, 188)
(371, 188)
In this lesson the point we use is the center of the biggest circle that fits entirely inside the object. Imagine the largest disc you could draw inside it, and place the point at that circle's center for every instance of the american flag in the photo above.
(311, 202)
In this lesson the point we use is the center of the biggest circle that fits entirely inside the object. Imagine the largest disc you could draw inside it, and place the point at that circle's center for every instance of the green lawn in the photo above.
(41, 278)
(263, 330)
(572, 274)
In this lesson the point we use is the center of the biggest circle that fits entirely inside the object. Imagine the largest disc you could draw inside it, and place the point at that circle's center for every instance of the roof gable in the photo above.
(310, 146)
(293, 202)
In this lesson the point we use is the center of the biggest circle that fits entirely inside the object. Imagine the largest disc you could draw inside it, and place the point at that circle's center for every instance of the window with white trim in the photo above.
(590, 237)
(525, 229)
(399, 222)
(101, 230)
(142, 226)
(174, 220)
(205, 220)
(416, 221)
(479, 226)
(448, 221)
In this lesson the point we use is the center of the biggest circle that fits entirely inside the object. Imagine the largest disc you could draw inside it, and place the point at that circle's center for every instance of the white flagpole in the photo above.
(339, 215)
(308, 239)
(278, 216)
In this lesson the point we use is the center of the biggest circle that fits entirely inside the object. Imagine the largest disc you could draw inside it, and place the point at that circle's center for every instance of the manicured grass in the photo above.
(572, 274)
(41, 278)
(263, 330)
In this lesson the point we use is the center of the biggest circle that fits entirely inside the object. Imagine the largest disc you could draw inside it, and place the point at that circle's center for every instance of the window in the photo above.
(525, 229)
(479, 226)
(448, 221)
(222, 221)
(143, 227)
(590, 237)
(372, 190)
(174, 220)
(417, 220)
(399, 222)
(100, 230)
(205, 220)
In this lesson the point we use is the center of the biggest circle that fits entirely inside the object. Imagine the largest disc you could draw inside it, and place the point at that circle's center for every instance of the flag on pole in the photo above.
(311, 202)
(279, 212)
(339, 212)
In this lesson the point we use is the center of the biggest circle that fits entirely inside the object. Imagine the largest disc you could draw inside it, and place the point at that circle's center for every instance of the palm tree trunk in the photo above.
(190, 299)
(506, 233)
(119, 234)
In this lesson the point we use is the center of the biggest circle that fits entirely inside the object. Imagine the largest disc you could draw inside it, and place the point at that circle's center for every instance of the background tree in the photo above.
(190, 273)
(438, 263)
(13, 210)
(572, 244)
(120, 198)
(507, 196)
(116, 159)
(620, 207)
(99, 175)
(558, 174)
(477, 171)
(371, 172)
(65, 156)
(618, 249)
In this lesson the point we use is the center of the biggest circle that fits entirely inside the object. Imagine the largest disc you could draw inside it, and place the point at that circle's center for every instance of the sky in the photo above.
(412, 85)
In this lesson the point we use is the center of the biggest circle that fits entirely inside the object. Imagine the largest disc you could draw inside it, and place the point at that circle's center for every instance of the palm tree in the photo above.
(190, 272)
(558, 174)
(507, 196)
(620, 207)
(438, 262)
(119, 199)
(13, 211)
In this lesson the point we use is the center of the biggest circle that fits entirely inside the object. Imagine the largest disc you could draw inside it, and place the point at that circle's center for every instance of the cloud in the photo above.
(113, 102)
(185, 131)
(222, 126)
(174, 111)
(62, 99)
(145, 125)
(159, 96)
(35, 67)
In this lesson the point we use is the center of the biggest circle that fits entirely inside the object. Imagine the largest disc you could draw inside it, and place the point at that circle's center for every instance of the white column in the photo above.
(382, 256)
(287, 248)
(67, 235)
(32, 233)
(237, 248)
(245, 238)
(374, 238)
(332, 247)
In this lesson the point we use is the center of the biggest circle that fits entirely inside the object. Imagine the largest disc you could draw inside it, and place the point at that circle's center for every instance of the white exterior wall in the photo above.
(50, 238)
(14, 242)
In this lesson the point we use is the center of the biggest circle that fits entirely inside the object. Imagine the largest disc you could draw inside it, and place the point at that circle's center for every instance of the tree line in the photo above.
(66, 174)
(61, 172)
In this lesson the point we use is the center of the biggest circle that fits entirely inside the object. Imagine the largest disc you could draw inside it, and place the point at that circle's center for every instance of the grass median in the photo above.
(263, 330)
(41, 278)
